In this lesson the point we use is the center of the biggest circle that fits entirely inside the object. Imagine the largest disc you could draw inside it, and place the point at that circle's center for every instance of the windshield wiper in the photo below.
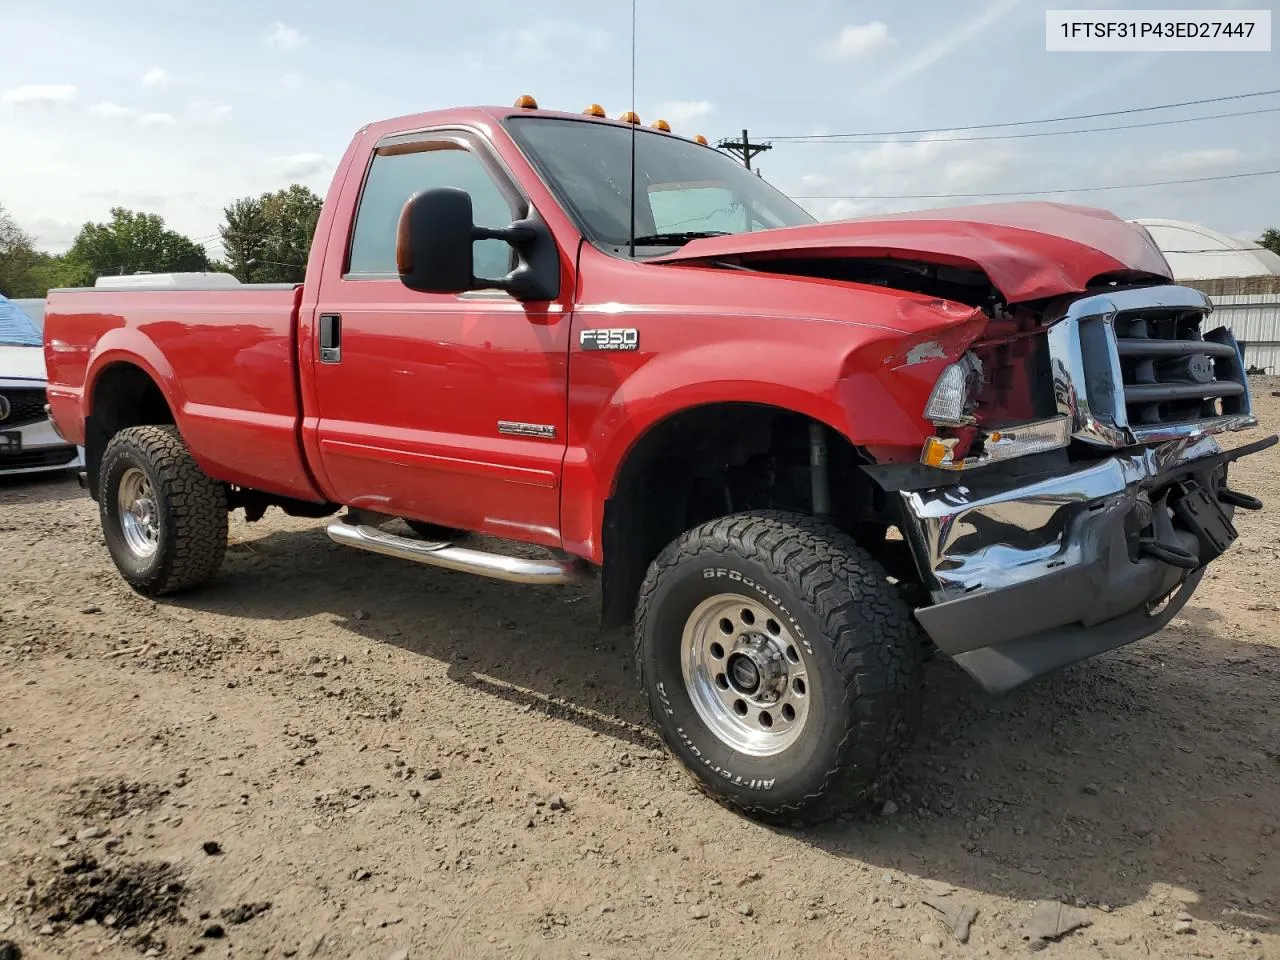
(678, 238)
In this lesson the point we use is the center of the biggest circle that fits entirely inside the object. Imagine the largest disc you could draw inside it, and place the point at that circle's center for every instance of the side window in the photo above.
(690, 206)
(396, 174)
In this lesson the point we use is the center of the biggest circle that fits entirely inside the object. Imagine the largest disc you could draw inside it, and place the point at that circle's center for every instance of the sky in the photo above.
(178, 109)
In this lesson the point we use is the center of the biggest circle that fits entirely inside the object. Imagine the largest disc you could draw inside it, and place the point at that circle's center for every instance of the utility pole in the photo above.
(744, 148)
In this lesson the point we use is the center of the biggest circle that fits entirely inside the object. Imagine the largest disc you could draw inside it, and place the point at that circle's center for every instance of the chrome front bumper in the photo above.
(1029, 578)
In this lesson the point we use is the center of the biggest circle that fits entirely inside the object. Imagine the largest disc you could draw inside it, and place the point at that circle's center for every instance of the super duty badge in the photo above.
(610, 338)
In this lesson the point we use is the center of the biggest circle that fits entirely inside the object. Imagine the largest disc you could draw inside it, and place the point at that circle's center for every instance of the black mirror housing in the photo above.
(434, 252)
(433, 242)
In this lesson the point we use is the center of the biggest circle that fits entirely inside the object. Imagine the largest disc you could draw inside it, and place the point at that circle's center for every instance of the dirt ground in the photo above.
(329, 754)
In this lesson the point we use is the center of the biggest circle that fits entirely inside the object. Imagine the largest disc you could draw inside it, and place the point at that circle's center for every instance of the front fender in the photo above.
(868, 384)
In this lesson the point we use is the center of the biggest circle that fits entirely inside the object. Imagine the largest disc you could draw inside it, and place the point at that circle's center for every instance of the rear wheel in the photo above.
(164, 519)
(782, 668)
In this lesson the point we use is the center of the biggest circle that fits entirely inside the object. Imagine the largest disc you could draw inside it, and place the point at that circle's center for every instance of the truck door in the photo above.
(445, 408)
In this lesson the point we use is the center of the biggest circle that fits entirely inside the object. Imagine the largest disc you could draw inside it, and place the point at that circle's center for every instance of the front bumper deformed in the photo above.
(1032, 578)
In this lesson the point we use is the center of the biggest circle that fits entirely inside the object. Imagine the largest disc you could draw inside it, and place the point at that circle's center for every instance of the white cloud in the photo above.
(284, 37)
(300, 166)
(54, 236)
(291, 81)
(891, 176)
(949, 42)
(1197, 160)
(540, 42)
(155, 77)
(39, 94)
(858, 40)
(684, 113)
(111, 111)
(208, 109)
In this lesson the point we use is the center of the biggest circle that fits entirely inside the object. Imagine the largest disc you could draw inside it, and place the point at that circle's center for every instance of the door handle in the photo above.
(330, 338)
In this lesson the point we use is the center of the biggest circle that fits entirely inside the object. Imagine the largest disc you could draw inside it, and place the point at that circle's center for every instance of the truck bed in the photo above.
(225, 360)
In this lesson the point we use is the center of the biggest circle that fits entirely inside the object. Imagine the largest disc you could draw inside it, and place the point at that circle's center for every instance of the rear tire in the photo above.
(782, 668)
(164, 519)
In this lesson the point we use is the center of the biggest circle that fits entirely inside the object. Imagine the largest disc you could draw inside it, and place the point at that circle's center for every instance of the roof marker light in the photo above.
(662, 125)
(699, 138)
(630, 117)
(595, 110)
(526, 102)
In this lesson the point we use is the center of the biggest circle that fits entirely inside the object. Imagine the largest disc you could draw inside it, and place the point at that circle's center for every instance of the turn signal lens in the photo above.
(630, 117)
(1007, 443)
(526, 102)
(662, 125)
(595, 110)
(935, 453)
(699, 138)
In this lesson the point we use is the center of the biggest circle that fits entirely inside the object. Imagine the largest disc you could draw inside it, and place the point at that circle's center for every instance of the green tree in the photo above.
(134, 242)
(268, 238)
(1270, 239)
(17, 257)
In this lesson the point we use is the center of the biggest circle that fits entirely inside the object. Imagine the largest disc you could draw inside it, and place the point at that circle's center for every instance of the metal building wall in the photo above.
(1255, 320)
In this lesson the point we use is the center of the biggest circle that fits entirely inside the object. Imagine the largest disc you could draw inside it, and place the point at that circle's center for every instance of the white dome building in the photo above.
(1242, 278)
(1198, 253)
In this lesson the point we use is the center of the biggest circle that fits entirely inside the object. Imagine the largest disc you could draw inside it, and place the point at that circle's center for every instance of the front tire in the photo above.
(782, 669)
(164, 519)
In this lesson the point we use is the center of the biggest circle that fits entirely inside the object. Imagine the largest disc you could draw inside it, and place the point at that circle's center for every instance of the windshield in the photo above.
(683, 189)
(16, 328)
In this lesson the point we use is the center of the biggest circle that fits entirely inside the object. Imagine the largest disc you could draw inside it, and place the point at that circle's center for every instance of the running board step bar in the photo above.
(444, 554)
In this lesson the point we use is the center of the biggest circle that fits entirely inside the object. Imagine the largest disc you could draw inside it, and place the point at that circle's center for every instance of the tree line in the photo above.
(265, 239)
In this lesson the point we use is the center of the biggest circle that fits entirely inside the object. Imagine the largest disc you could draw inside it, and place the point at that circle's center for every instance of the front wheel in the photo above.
(781, 666)
(164, 519)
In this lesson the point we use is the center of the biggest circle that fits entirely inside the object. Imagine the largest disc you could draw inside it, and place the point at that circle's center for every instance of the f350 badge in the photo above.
(610, 338)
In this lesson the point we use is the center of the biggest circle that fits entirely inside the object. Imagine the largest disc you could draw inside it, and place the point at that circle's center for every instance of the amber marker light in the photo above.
(595, 110)
(526, 102)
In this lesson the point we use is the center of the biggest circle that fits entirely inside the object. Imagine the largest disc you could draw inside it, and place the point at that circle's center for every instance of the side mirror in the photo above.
(434, 252)
(433, 242)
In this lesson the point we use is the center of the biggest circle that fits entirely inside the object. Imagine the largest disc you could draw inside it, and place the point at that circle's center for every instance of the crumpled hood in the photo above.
(1029, 250)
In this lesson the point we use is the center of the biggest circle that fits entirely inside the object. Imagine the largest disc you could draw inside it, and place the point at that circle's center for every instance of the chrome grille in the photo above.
(1172, 373)
(1135, 366)
(20, 406)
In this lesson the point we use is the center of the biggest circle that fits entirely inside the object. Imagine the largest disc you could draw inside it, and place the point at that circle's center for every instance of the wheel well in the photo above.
(718, 459)
(124, 396)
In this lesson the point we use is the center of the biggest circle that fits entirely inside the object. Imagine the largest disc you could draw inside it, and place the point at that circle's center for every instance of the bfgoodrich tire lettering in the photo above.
(856, 641)
(190, 510)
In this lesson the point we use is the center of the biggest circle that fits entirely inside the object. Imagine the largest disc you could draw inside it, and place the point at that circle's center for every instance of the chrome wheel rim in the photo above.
(139, 515)
(746, 674)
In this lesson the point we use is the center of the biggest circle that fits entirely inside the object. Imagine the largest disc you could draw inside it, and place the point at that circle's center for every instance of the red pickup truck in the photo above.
(799, 456)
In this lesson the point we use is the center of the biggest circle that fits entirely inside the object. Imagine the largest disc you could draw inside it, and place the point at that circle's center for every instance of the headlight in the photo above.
(955, 394)
(958, 406)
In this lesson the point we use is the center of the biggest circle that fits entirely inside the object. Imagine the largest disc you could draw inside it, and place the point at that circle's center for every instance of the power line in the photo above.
(1041, 193)
(1024, 123)
(1038, 133)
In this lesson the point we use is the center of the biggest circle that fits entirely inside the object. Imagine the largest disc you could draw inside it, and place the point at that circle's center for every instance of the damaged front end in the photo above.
(1034, 562)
